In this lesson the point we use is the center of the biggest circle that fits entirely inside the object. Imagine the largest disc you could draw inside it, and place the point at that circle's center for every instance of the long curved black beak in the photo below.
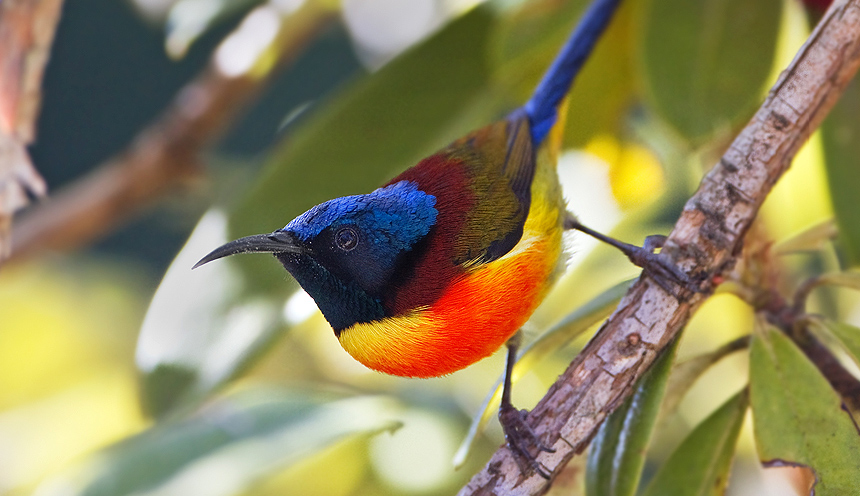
(276, 242)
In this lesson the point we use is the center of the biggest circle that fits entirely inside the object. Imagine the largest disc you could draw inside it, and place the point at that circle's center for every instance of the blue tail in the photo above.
(542, 109)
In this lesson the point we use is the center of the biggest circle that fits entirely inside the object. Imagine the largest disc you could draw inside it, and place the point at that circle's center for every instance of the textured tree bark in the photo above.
(26, 32)
(706, 241)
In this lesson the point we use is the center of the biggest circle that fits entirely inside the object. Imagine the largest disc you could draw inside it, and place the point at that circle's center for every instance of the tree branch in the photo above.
(166, 154)
(706, 241)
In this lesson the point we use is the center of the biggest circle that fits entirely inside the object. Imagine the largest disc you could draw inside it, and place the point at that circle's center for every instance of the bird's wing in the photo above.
(482, 184)
(501, 163)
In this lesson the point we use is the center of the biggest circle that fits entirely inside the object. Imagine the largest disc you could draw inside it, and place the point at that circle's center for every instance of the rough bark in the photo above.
(26, 31)
(705, 241)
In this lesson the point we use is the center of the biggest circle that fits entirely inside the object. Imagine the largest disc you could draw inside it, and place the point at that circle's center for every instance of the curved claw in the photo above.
(522, 440)
(662, 270)
(655, 265)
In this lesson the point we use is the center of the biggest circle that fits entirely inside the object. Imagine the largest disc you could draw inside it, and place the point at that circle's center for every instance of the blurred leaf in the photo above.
(312, 476)
(845, 279)
(555, 338)
(226, 446)
(527, 42)
(700, 465)
(847, 335)
(190, 19)
(617, 453)
(704, 63)
(812, 239)
(197, 334)
(353, 144)
(163, 387)
(570, 327)
(841, 149)
(798, 417)
(849, 280)
(685, 373)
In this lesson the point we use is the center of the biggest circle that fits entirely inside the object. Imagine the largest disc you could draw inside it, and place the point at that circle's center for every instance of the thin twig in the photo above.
(706, 241)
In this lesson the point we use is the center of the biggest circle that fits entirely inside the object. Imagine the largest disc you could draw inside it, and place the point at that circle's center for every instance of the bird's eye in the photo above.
(346, 239)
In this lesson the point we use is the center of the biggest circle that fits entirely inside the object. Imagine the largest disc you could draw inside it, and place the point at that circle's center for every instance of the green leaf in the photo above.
(556, 337)
(845, 279)
(811, 239)
(375, 128)
(254, 433)
(197, 332)
(617, 453)
(700, 466)
(841, 149)
(704, 63)
(685, 373)
(798, 417)
(847, 335)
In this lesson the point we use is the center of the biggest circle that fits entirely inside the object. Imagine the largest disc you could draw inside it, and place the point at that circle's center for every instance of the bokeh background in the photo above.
(124, 372)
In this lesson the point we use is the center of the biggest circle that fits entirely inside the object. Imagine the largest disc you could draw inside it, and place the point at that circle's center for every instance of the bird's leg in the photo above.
(521, 438)
(657, 267)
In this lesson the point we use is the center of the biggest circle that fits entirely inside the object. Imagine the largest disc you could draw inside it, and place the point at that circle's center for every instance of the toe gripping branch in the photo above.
(655, 265)
(522, 440)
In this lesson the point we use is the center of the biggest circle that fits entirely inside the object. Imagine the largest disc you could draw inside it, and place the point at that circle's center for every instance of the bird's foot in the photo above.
(658, 267)
(522, 440)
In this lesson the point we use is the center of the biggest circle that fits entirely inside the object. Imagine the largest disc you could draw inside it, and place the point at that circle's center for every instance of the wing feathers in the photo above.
(482, 184)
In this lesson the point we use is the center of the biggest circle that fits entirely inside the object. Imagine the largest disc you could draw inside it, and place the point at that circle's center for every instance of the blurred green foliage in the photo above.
(700, 464)
(704, 63)
(247, 391)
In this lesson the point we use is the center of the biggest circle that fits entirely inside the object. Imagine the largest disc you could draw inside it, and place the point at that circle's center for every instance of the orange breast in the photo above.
(472, 319)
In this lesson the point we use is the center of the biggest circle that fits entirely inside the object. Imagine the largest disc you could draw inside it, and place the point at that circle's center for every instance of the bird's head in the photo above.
(345, 252)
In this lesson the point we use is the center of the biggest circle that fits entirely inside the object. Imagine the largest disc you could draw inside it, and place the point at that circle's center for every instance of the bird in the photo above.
(441, 267)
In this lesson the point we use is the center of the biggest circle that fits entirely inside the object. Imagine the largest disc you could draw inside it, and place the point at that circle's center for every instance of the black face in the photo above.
(346, 270)
(343, 252)
(353, 254)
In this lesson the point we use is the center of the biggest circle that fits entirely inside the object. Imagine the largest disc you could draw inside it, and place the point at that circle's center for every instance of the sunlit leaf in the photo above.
(227, 446)
(798, 417)
(847, 335)
(617, 453)
(703, 63)
(812, 239)
(700, 465)
(555, 338)
(841, 149)
(685, 373)
(197, 333)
